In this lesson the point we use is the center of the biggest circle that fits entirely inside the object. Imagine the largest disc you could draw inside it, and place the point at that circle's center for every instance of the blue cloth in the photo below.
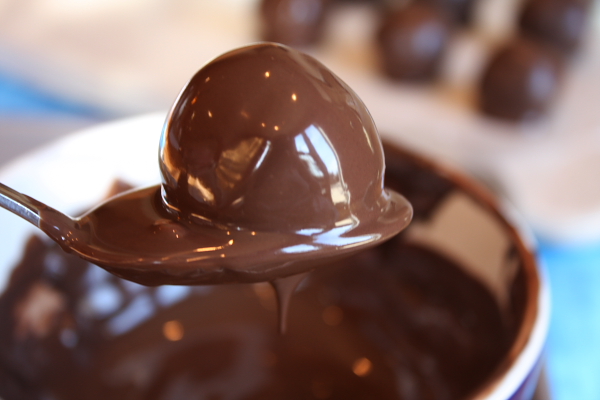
(21, 99)
(574, 338)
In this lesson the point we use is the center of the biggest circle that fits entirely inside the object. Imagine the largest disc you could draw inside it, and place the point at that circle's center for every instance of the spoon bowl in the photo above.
(135, 237)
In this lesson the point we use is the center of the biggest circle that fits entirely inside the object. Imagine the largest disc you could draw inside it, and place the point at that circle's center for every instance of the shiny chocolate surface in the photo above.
(267, 138)
(271, 166)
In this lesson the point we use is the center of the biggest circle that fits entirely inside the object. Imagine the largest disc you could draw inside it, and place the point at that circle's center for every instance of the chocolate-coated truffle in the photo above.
(412, 41)
(267, 138)
(557, 23)
(293, 22)
(520, 81)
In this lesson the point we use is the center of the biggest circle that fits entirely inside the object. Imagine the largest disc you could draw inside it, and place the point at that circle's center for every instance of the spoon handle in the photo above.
(20, 204)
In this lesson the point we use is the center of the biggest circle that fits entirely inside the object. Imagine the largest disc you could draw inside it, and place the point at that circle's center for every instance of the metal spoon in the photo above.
(135, 237)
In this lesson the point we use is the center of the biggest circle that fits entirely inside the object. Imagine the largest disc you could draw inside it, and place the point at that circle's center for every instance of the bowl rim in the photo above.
(528, 344)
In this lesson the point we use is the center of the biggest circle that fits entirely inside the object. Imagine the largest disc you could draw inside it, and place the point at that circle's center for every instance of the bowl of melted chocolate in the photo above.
(454, 307)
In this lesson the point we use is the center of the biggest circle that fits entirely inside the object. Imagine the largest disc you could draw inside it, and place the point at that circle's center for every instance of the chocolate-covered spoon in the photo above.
(149, 247)
(271, 166)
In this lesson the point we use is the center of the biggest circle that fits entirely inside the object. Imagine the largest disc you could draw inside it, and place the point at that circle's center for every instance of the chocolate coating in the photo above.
(397, 322)
(293, 22)
(267, 138)
(271, 167)
(520, 82)
(560, 24)
(412, 41)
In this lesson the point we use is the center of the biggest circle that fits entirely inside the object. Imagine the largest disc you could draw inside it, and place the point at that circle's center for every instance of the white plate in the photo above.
(134, 56)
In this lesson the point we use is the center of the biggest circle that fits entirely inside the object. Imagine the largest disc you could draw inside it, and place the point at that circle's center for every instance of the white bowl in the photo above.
(468, 225)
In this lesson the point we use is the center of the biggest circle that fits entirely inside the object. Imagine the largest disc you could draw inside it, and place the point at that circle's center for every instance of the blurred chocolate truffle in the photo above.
(520, 81)
(557, 23)
(460, 11)
(293, 22)
(412, 41)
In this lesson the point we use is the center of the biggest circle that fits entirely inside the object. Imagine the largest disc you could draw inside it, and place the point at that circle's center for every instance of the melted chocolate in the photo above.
(412, 41)
(520, 82)
(271, 166)
(396, 322)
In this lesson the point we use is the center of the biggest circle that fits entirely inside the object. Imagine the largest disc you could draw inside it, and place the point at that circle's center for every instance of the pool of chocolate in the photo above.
(405, 320)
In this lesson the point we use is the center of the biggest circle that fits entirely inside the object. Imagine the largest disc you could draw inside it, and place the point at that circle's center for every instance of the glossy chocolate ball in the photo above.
(293, 22)
(267, 138)
(520, 81)
(560, 24)
(412, 41)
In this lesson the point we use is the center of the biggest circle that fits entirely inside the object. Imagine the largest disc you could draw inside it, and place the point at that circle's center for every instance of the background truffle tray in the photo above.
(131, 57)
